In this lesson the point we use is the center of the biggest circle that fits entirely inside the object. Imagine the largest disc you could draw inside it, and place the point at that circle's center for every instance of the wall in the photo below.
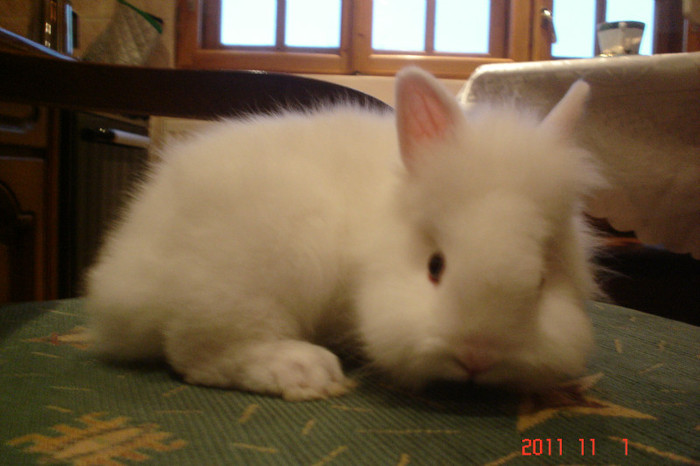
(21, 17)
(95, 16)
(17, 16)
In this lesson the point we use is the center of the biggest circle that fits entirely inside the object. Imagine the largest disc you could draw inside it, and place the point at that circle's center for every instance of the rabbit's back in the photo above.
(249, 210)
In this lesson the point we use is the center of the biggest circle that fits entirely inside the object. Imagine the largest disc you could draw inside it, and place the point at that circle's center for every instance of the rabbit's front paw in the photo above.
(295, 370)
(303, 371)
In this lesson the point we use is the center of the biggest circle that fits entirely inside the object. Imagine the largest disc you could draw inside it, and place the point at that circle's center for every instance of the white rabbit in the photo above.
(444, 245)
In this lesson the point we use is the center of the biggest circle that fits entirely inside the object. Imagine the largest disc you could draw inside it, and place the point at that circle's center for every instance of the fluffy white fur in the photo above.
(259, 244)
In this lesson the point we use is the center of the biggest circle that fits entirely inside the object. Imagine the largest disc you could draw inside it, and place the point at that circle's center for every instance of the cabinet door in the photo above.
(22, 242)
(26, 237)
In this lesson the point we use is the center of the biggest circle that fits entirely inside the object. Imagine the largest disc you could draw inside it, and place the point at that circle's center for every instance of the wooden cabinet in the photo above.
(28, 202)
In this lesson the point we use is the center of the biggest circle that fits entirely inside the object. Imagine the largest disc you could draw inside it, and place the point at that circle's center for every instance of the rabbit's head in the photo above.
(484, 274)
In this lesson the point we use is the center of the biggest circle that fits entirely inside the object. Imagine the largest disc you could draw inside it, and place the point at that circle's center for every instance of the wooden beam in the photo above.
(202, 94)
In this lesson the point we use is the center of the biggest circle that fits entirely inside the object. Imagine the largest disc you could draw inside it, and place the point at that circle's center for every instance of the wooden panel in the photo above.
(519, 40)
(23, 124)
(29, 189)
(668, 37)
(691, 37)
(24, 245)
(541, 34)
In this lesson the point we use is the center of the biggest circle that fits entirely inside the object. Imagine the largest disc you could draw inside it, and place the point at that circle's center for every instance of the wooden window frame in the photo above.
(198, 44)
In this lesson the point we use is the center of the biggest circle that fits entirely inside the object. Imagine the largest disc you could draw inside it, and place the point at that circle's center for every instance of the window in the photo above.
(450, 38)
(575, 25)
(443, 26)
(447, 37)
(269, 23)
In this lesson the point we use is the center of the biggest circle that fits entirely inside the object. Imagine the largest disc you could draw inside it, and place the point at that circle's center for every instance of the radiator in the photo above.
(102, 160)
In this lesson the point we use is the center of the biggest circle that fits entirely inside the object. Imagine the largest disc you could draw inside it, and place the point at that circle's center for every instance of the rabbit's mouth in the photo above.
(476, 360)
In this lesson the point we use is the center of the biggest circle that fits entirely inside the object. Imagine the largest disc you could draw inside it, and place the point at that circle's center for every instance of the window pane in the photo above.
(634, 10)
(248, 23)
(398, 25)
(313, 23)
(574, 23)
(462, 27)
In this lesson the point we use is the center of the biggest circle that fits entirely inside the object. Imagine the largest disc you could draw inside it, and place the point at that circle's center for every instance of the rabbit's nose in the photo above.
(477, 359)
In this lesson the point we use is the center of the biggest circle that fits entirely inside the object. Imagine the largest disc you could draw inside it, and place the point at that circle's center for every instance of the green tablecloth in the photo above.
(638, 404)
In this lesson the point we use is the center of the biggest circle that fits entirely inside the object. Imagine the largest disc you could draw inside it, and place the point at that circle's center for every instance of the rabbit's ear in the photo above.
(425, 113)
(566, 114)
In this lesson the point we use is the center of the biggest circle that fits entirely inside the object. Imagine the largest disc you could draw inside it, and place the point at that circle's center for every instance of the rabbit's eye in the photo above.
(436, 265)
